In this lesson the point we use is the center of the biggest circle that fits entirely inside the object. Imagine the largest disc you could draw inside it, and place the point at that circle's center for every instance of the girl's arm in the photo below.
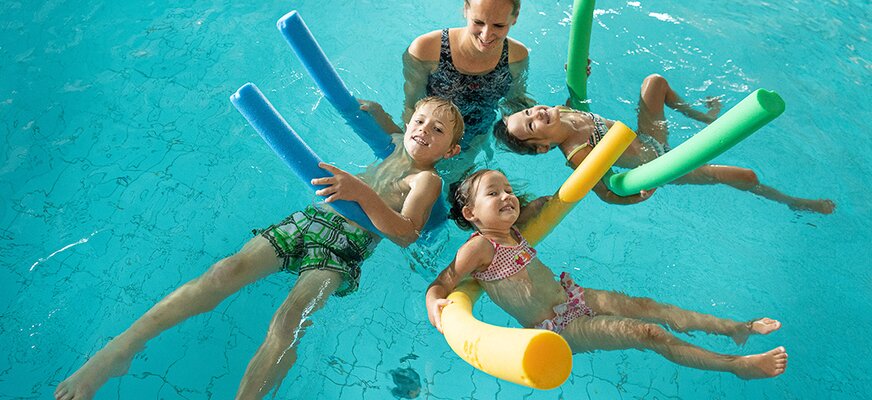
(602, 191)
(531, 210)
(476, 254)
(402, 228)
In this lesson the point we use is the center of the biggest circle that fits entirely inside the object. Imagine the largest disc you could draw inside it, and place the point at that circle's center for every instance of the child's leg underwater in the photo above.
(678, 319)
(604, 332)
(256, 260)
(656, 93)
(278, 352)
(746, 179)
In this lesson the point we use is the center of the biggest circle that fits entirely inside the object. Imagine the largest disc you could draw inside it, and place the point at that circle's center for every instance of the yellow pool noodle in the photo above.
(535, 358)
(586, 175)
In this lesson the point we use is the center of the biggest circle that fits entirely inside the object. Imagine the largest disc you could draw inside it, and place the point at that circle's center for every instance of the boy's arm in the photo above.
(382, 118)
(475, 254)
(403, 227)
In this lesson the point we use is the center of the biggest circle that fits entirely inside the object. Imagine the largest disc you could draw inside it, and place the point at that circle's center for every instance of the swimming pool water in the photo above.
(125, 171)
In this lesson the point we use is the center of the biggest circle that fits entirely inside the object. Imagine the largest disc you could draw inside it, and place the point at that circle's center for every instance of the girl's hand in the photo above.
(434, 312)
(340, 186)
(638, 198)
(588, 67)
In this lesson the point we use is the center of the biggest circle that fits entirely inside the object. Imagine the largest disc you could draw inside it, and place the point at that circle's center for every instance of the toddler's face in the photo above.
(494, 204)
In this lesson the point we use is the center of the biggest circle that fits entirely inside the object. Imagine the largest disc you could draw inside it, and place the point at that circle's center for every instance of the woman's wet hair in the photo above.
(516, 6)
(509, 141)
(461, 195)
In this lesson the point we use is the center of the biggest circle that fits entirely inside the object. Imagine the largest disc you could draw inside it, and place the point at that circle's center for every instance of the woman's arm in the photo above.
(517, 98)
(476, 254)
(419, 61)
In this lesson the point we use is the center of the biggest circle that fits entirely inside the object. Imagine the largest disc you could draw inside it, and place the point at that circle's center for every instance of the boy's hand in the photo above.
(434, 312)
(340, 186)
(370, 106)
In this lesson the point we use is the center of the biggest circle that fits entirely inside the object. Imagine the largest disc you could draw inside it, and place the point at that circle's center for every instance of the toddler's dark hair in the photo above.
(461, 192)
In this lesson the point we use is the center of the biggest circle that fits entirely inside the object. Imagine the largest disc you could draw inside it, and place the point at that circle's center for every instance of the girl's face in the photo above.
(536, 126)
(488, 21)
(428, 137)
(494, 204)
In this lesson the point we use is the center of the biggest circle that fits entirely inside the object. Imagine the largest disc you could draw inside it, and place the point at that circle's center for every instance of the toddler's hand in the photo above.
(434, 312)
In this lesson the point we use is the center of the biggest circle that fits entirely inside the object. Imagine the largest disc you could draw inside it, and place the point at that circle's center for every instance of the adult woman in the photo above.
(476, 66)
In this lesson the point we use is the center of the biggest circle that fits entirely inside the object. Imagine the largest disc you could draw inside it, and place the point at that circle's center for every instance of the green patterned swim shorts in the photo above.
(318, 239)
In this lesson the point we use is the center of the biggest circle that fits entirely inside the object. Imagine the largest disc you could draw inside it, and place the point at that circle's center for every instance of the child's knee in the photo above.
(653, 333)
(224, 274)
(654, 83)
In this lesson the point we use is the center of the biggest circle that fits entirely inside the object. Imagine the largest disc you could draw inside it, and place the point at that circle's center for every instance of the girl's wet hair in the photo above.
(462, 192)
(509, 141)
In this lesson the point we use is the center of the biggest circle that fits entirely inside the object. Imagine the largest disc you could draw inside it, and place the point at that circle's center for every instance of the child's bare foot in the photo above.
(765, 365)
(762, 326)
(714, 108)
(110, 361)
(823, 206)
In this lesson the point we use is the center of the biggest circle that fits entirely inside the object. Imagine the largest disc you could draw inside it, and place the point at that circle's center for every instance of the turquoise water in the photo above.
(125, 171)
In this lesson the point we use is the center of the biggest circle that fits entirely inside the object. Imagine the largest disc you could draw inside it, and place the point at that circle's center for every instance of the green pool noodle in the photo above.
(579, 52)
(756, 110)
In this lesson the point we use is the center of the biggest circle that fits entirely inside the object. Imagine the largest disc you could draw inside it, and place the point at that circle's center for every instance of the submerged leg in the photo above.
(654, 95)
(278, 352)
(256, 260)
(678, 319)
(746, 179)
(616, 333)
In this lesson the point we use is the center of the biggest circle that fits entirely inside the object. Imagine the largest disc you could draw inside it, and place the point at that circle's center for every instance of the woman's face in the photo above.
(488, 21)
(536, 126)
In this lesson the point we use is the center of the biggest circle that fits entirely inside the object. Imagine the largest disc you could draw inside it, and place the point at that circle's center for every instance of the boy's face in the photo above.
(429, 135)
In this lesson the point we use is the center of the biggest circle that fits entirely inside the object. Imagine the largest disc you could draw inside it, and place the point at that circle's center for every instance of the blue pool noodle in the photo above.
(297, 34)
(279, 135)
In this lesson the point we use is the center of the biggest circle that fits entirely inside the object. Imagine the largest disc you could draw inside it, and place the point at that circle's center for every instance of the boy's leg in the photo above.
(615, 333)
(678, 319)
(279, 350)
(256, 260)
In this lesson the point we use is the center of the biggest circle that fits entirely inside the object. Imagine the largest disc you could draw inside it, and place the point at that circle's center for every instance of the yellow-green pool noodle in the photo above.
(756, 110)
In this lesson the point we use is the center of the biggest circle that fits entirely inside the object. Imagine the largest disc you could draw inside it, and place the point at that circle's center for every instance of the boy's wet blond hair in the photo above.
(446, 108)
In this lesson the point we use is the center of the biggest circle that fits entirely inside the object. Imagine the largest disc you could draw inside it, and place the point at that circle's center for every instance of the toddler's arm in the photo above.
(475, 254)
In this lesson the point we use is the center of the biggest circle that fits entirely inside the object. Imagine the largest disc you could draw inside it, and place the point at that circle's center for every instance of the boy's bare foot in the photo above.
(765, 365)
(714, 108)
(823, 206)
(110, 361)
(761, 326)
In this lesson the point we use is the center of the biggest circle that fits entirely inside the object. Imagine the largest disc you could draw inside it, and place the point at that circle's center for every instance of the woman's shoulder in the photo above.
(517, 51)
(426, 47)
